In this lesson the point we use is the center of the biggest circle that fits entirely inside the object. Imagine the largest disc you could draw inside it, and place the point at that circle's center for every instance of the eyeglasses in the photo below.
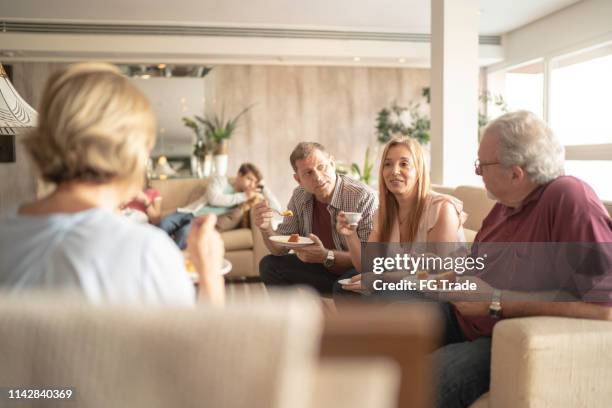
(478, 166)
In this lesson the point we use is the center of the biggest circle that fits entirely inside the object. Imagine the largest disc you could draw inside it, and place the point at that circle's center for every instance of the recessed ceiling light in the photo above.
(356, 59)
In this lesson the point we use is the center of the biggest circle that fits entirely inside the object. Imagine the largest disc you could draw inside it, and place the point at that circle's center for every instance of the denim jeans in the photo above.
(461, 368)
(289, 270)
(177, 225)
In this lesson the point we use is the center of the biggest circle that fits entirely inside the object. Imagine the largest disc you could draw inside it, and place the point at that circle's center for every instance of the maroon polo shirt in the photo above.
(565, 210)
(322, 224)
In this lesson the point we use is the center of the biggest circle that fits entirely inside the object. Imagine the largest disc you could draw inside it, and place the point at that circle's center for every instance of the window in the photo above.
(595, 172)
(578, 109)
(581, 85)
(521, 87)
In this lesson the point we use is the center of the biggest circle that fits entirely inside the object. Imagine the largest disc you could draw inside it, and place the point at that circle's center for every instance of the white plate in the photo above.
(283, 240)
(346, 281)
(226, 268)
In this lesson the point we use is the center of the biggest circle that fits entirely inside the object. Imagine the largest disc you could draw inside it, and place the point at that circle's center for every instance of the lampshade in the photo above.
(14, 111)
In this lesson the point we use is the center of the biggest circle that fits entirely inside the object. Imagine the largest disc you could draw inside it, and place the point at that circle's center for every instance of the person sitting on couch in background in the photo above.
(315, 203)
(229, 200)
(145, 207)
(94, 134)
(521, 164)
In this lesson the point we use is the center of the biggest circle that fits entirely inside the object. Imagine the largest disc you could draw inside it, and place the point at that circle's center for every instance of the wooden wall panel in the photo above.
(335, 106)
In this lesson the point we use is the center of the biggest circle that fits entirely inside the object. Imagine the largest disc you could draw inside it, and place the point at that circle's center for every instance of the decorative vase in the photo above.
(222, 147)
(195, 165)
(207, 165)
(201, 167)
(221, 164)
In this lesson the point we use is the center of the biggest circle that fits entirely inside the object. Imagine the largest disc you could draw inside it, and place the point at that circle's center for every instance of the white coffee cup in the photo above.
(352, 218)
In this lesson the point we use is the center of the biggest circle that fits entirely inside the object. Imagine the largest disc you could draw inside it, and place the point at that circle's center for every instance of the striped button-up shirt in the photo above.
(349, 196)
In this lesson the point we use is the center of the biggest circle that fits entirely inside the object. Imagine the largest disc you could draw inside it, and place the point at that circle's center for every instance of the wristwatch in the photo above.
(495, 308)
(330, 260)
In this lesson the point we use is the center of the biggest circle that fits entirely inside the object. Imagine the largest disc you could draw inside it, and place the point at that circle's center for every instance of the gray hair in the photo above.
(304, 150)
(526, 141)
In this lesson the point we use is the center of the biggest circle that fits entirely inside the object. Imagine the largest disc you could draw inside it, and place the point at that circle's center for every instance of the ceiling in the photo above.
(318, 32)
(407, 16)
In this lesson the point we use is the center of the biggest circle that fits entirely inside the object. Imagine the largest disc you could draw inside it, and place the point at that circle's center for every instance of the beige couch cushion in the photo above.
(469, 234)
(608, 205)
(475, 203)
(357, 383)
(178, 192)
(482, 402)
(241, 238)
(243, 264)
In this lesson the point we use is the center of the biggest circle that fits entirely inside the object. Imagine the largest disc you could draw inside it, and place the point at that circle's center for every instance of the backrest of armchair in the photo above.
(475, 203)
(255, 355)
(405, 333)
(608, 205)
(180, 192)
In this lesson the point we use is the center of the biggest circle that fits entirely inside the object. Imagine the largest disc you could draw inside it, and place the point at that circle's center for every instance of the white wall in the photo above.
(583, 24)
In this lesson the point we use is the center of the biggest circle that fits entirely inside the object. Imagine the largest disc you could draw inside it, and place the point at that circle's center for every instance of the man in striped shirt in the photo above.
(315, 203)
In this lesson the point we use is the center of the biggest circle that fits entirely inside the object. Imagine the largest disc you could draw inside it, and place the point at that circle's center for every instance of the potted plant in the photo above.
(485, 98)
(219, 131)
(365, 174)
(407, 121)
(203, 146)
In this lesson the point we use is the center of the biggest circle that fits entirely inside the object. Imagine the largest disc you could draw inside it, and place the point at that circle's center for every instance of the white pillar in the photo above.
(454, 91)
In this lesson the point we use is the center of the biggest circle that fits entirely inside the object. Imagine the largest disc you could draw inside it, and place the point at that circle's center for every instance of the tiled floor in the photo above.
(245, 290)
(249, 291)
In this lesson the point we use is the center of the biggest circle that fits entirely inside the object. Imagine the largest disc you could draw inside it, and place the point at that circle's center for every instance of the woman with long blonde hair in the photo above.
(409, 211)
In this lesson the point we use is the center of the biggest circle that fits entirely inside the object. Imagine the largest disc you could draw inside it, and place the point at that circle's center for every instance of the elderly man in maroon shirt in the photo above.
(521, 164)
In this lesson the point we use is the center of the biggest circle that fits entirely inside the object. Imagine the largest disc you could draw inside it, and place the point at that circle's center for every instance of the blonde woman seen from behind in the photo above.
(409, 211)
(94, 135)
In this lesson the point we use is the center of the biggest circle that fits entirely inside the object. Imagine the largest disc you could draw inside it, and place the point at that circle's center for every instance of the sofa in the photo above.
(244, 247)
(263, 353)
(542, 361)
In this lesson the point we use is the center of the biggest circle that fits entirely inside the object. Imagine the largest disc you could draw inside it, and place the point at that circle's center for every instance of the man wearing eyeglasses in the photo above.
(538, 209)
(315, 203)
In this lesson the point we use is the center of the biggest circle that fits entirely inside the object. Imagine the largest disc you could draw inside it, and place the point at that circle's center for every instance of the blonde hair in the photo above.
(388, 209)
(93, 126)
